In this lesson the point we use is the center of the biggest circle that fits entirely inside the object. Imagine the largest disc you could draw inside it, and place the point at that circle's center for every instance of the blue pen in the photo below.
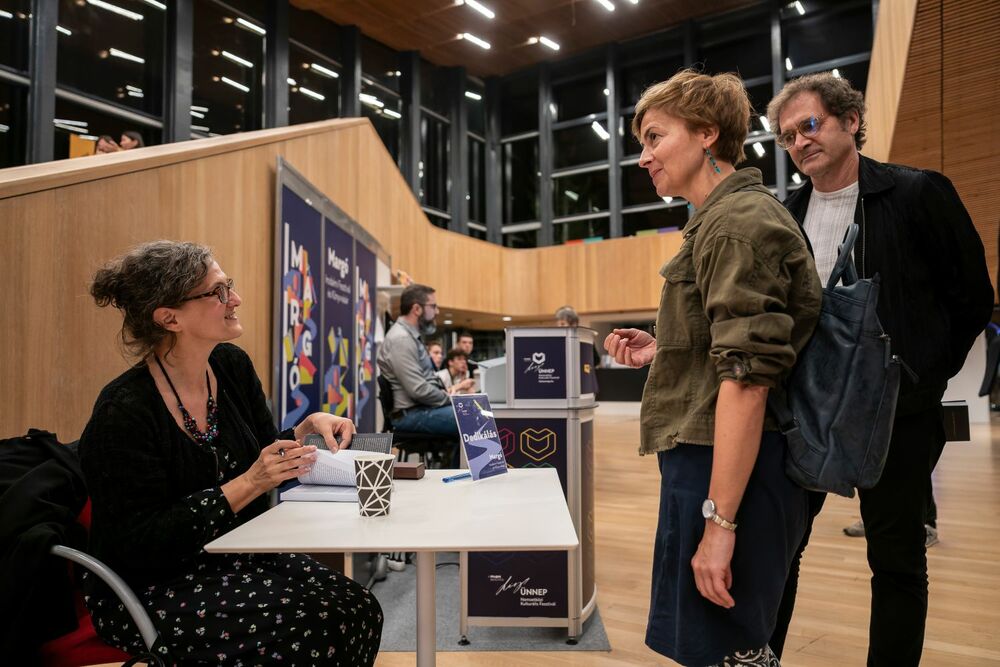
(455, 478)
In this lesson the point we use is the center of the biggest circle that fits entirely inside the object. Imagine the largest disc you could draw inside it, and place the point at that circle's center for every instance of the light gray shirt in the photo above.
(827, 219)
(404, 362)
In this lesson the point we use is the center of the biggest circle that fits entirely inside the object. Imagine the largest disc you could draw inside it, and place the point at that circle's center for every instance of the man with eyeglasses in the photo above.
(935, 298)
(420, 401)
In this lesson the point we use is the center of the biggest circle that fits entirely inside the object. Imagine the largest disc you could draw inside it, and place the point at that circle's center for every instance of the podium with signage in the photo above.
(546, 422)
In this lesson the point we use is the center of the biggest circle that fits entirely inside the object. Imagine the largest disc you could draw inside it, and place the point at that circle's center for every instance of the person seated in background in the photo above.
(420, 402)
(455, 375)
(131, 139)
(436, 351)
(567, 317)
(466, 343)
(105, 144)
(180, 449)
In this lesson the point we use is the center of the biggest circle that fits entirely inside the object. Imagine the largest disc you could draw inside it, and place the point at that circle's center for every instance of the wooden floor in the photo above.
(831, 621)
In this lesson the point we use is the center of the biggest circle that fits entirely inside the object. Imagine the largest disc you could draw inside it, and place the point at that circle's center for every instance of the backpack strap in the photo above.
(844, 268)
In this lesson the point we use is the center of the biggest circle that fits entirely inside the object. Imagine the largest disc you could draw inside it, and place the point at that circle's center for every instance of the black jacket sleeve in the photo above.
(964, 284)
(145, 524)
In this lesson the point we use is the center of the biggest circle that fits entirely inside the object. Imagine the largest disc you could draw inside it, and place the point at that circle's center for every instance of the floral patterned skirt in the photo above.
(251, 609)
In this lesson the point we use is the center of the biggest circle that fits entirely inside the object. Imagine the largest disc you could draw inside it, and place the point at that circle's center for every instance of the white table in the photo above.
(524, 510)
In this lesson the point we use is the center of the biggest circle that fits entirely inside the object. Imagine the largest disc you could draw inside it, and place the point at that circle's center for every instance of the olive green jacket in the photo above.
(741, 298)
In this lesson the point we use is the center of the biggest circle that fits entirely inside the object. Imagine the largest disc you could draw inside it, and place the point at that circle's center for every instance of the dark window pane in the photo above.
(434, 89)
(637, 78)
(520, 181)
(228, 94)
(475, 108)
(749, 56)
(597, 228)
(15, 33)
(795, 177)
(580, 98)
(437, 220)
(113, 56)
(434, 147)
(528, 239)
(252, 8)
(477, 180)
(671, 217)
(759, 97)
(763, 162)
(857, 74)
(477, 234)
(381, 63)
(808, 40)
(580, 193)
(313, 93)
(315, 31)
(579, 145)
(13, 124)
(385, 112)
(87, 125)
(519, 104)
(632, 145)
(637, 188)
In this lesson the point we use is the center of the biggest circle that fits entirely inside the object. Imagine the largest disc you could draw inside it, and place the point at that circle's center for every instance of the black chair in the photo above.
(435, 451)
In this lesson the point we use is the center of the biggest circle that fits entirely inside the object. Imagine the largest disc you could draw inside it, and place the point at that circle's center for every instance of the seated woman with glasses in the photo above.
(180, 449)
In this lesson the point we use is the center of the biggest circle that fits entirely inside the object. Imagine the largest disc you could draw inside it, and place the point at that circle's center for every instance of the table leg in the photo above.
(426, 612)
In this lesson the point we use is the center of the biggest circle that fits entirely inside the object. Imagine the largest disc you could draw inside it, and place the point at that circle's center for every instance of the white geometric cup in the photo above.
(373, 473)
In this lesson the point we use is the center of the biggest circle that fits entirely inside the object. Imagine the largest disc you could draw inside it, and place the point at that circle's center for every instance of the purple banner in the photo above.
(338, 320)
(539, 367)
(518, 585)
(364, 329)
(301, 251)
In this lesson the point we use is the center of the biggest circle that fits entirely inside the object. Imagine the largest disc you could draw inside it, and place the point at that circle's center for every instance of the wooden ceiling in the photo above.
(432, 26)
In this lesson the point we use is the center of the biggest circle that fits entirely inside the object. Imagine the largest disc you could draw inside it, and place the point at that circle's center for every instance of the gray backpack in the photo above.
(839, 401)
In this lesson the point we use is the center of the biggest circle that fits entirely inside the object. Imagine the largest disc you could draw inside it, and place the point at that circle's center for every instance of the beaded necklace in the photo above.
(207, 436)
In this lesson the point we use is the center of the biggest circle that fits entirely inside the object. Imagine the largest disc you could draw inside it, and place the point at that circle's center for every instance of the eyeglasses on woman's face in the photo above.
(808, 128)
(220, 291)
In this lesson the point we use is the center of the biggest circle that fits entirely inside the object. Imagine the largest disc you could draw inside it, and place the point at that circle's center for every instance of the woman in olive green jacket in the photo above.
(740, 300)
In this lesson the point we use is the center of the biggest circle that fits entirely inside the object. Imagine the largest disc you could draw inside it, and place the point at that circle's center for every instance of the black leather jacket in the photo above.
(935, 296)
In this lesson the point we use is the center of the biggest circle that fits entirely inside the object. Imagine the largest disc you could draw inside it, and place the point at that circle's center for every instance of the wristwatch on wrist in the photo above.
(708, 511)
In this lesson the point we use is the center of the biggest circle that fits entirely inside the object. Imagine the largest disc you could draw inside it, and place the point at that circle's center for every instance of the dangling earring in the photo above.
(711, 160)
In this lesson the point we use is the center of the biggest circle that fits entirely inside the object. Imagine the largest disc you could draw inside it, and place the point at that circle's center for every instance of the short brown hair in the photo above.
(455, 353)
(837, 94)
(702, 100)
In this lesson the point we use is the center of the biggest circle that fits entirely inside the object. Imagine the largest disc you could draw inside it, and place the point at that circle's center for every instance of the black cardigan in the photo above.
(148, 480)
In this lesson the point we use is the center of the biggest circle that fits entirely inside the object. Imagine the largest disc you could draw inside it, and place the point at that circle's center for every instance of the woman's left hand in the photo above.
(328, 426)
(711, 565)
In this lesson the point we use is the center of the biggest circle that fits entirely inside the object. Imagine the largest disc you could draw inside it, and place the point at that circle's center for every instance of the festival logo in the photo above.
(538, 445)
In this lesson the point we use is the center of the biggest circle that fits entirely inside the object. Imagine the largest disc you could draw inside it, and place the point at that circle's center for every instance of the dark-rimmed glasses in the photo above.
(808, 128)
(220, 291)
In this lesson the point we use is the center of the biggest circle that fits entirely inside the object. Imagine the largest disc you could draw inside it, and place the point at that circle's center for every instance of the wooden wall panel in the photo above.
(890, 49)
(949, 88)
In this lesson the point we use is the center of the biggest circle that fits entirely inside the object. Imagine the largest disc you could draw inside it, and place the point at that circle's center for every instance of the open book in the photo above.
(331, 478)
